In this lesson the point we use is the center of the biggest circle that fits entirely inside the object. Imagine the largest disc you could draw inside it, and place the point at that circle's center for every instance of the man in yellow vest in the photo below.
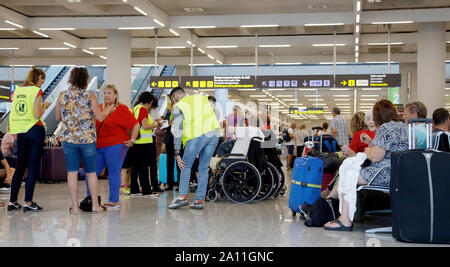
(196, 127)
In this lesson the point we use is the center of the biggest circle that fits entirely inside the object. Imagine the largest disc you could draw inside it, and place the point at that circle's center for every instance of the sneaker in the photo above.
(178, 203)
(110, 206)
(33, 207)
(125, 190)
(135, 194)
(12, 206)
(158, 190)
(151, 195)
(197, 205)
(5, 189)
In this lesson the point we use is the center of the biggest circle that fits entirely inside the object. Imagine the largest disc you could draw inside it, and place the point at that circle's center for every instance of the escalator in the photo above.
(140, 83)
(54, 75)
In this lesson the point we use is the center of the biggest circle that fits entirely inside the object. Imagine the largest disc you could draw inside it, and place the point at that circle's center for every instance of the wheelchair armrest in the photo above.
(233, 155)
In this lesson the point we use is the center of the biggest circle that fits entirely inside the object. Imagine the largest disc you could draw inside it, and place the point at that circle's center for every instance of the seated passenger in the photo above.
(441, 124)
(391, 136)
(417, 110)
(363, 128)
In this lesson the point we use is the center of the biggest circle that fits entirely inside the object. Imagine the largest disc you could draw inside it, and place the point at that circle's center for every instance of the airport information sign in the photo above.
(368, 80)
(299, 81)
(164, 82)
(282, 82)
(306, 111)
(217, 82)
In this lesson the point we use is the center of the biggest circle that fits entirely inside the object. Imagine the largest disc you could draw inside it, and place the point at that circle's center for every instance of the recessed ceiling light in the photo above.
(41, 34)
(140, 11)
(171, 47)
(7, 29)
(283, 45)
(53, 48)
(9, 48)
(196, 27)
(318, 45)
(193, 9)
(136, 28)
(159, 22)
(174, 32)
(56, 29)
(87, 51)
(260, 26)
(14, 24)
(379, 44)
(71, 45)
(222, 46)
(324, 24)
(392, 22)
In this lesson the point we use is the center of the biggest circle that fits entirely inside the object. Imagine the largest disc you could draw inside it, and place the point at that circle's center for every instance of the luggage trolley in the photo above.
(243, 175)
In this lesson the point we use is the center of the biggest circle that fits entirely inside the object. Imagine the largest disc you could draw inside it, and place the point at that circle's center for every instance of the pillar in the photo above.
(431, 56)
(118, 69)
(408, 90)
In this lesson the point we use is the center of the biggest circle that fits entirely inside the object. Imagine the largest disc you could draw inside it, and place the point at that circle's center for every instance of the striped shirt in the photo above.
(341, 125)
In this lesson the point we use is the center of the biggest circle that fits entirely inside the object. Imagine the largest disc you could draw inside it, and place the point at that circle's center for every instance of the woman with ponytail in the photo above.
(26, 111)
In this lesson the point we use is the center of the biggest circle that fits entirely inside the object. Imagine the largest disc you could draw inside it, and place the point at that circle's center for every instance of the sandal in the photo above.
(73, 213)
(103, 210)
(341, 228)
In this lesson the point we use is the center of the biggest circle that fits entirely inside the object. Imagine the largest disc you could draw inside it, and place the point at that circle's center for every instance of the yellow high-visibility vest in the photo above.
(21, 117)
(146, 135)
(199, 116)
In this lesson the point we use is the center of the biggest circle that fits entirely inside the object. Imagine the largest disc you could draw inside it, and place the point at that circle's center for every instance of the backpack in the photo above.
(321, 212)
(86, 204)
(442, 142)
(286, 136)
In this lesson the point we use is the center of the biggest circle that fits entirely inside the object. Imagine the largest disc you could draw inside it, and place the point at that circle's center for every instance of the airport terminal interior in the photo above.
(269, 65)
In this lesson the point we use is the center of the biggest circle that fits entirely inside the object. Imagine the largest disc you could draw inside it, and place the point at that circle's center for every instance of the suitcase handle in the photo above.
(412, 132)
(428, 121)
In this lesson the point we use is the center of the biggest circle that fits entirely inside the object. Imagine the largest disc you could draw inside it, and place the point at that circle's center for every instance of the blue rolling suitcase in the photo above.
(163, 169)
(306, 183)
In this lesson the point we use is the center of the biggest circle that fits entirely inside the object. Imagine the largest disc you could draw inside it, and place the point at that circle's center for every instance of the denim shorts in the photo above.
(76, 152)
(290, 149)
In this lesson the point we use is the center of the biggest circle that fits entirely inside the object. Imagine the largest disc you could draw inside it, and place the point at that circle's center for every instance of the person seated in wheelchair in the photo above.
(243, 174)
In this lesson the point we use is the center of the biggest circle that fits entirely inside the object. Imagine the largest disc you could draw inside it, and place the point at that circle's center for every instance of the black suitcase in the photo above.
(420, 190)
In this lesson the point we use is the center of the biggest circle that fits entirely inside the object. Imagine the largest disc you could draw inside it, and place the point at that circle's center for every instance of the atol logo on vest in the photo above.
(21, 108)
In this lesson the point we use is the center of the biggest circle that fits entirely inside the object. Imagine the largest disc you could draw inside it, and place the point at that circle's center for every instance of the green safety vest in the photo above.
(146, 135)
(21, 117)
(199, 116)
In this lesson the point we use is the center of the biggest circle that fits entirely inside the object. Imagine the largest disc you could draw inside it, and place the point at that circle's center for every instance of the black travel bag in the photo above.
(420, 190)
(321, 212)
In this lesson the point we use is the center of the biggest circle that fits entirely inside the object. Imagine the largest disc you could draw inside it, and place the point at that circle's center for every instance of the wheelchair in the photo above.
(244, 174)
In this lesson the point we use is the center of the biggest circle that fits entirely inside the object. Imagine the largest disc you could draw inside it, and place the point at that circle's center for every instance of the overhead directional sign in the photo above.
(164, 82)
(217, 82)
(368, 80)
(282, 82)
(298, 81)
(306, 111)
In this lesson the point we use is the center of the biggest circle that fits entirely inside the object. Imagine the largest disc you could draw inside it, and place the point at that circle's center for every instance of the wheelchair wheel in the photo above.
(281, 188)
(241, 182)
(267, 183)
(276, 179)
(212, 195)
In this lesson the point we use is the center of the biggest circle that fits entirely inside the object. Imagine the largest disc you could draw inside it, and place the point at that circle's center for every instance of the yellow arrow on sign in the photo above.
(344, 83)
(154, 84)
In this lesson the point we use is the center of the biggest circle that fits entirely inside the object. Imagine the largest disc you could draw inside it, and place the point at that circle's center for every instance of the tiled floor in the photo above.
(148, 222)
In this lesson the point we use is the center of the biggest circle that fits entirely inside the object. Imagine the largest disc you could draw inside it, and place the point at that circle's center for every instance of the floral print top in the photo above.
(77, 117)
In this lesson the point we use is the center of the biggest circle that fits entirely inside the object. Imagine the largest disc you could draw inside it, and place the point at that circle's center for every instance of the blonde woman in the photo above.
(113, 141)
(363, 129)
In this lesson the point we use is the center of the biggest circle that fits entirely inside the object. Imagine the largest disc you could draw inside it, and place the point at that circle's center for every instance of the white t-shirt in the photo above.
(292, 142)
(301, 135)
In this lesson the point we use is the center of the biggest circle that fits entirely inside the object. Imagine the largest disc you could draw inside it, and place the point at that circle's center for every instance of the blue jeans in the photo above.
(30, 146)
(73, 153)
(203, 146)
(111, 157)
